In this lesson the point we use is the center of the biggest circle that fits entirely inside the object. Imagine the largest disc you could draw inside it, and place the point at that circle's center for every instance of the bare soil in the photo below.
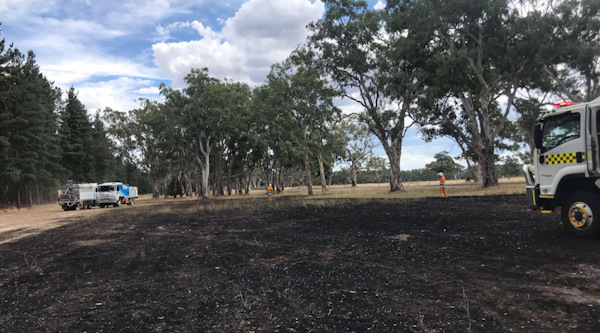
(479, 264)
(16, 224)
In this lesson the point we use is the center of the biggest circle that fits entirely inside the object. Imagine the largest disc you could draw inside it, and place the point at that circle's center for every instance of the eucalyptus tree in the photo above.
(302, 105)
(378, 165)
(353, 48)
(202, 118)
(177, 142)
(210, 120)
(359, 145)
(446, 164)
(140, 137)
(479, 59)
(275, 147)
(565, 35)
(233, 102)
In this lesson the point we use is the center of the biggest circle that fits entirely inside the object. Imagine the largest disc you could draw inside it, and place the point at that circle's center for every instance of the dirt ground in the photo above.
(466, 264)
(16, 224)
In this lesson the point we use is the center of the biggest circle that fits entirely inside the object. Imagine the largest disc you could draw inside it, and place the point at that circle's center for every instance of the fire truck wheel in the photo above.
(116, 204)
(581, 214)
(101, 205)
(65, 207)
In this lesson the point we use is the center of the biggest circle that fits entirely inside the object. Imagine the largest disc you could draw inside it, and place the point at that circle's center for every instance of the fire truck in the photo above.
(77, 195)
(111, 194)
(566, 167)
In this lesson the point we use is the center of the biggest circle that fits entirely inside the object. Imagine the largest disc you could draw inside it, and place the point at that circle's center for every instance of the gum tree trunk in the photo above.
(394, 151)
(353, 176)
(307, 165)
(488, 167)
(322, 172)
(205, 173)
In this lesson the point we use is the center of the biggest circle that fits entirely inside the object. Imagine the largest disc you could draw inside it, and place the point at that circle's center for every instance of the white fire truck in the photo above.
(77, 195)
(566, 167)
(111, 194)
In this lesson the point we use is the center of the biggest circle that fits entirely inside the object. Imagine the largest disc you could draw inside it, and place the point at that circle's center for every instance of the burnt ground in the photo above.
(480, 264)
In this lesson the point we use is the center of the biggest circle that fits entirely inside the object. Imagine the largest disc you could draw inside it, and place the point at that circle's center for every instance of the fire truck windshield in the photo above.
(106, 188)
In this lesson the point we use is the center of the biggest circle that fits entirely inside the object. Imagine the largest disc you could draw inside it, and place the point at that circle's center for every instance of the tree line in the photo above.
(375, 169)
(475, 71)
(46, 139)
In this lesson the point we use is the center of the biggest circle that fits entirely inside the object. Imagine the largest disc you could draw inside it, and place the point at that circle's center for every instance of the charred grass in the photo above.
(478, 263)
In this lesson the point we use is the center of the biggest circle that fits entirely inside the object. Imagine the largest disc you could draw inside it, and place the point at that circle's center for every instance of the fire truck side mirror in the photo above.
(537, 135)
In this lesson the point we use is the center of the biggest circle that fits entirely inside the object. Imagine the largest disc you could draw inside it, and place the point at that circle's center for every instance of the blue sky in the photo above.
(116, 51)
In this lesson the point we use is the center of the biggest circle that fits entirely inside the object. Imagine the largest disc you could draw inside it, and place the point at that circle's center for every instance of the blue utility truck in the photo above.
(116, 193)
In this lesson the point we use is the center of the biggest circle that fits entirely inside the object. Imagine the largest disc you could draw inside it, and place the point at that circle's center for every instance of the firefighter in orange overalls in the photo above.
(270, 191)
(442, 185)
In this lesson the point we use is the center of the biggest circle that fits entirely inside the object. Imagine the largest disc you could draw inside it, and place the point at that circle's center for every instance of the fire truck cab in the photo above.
(566, 166)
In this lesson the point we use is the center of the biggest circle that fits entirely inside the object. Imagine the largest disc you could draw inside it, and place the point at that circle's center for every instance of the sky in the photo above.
(116, 51)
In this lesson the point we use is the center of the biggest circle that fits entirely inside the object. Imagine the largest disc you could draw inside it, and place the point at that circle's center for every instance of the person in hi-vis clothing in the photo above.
(442, 185)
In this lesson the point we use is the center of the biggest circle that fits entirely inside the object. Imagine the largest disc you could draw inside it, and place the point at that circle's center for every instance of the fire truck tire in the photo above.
(101, 205)
(580, 214)
(116, 204)
(65, 207)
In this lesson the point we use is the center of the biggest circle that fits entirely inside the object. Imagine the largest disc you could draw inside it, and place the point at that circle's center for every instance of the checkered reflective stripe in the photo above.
(565, 158)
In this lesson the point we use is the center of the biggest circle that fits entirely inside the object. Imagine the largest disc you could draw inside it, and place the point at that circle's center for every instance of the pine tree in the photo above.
(101, 150)
(76, 139)
(10, 61)
(34, 150)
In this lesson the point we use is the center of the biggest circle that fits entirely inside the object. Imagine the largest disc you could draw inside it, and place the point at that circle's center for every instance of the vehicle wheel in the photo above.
(581, 214)
(116, 204)
(65, 208)
(101, 205)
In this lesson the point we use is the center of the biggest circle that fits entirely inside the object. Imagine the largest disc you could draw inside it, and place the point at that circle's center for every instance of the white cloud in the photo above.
(152, 9)
(260, 34)
(148, 91)
(24, 8)
(120, 94)
(351, 108)
(164, 33)
(206, 32)
(136, 13)
(176, 59)
(84, 67)
(414, 158)
(73, 29)
(379, 5)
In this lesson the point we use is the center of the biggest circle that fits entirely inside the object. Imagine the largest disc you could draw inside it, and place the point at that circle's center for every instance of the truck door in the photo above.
(592, 141)
(563, 149)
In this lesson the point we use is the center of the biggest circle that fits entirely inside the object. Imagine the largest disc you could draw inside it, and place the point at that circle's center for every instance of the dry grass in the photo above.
(344, 196)
(423, 192)
(15, 224)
